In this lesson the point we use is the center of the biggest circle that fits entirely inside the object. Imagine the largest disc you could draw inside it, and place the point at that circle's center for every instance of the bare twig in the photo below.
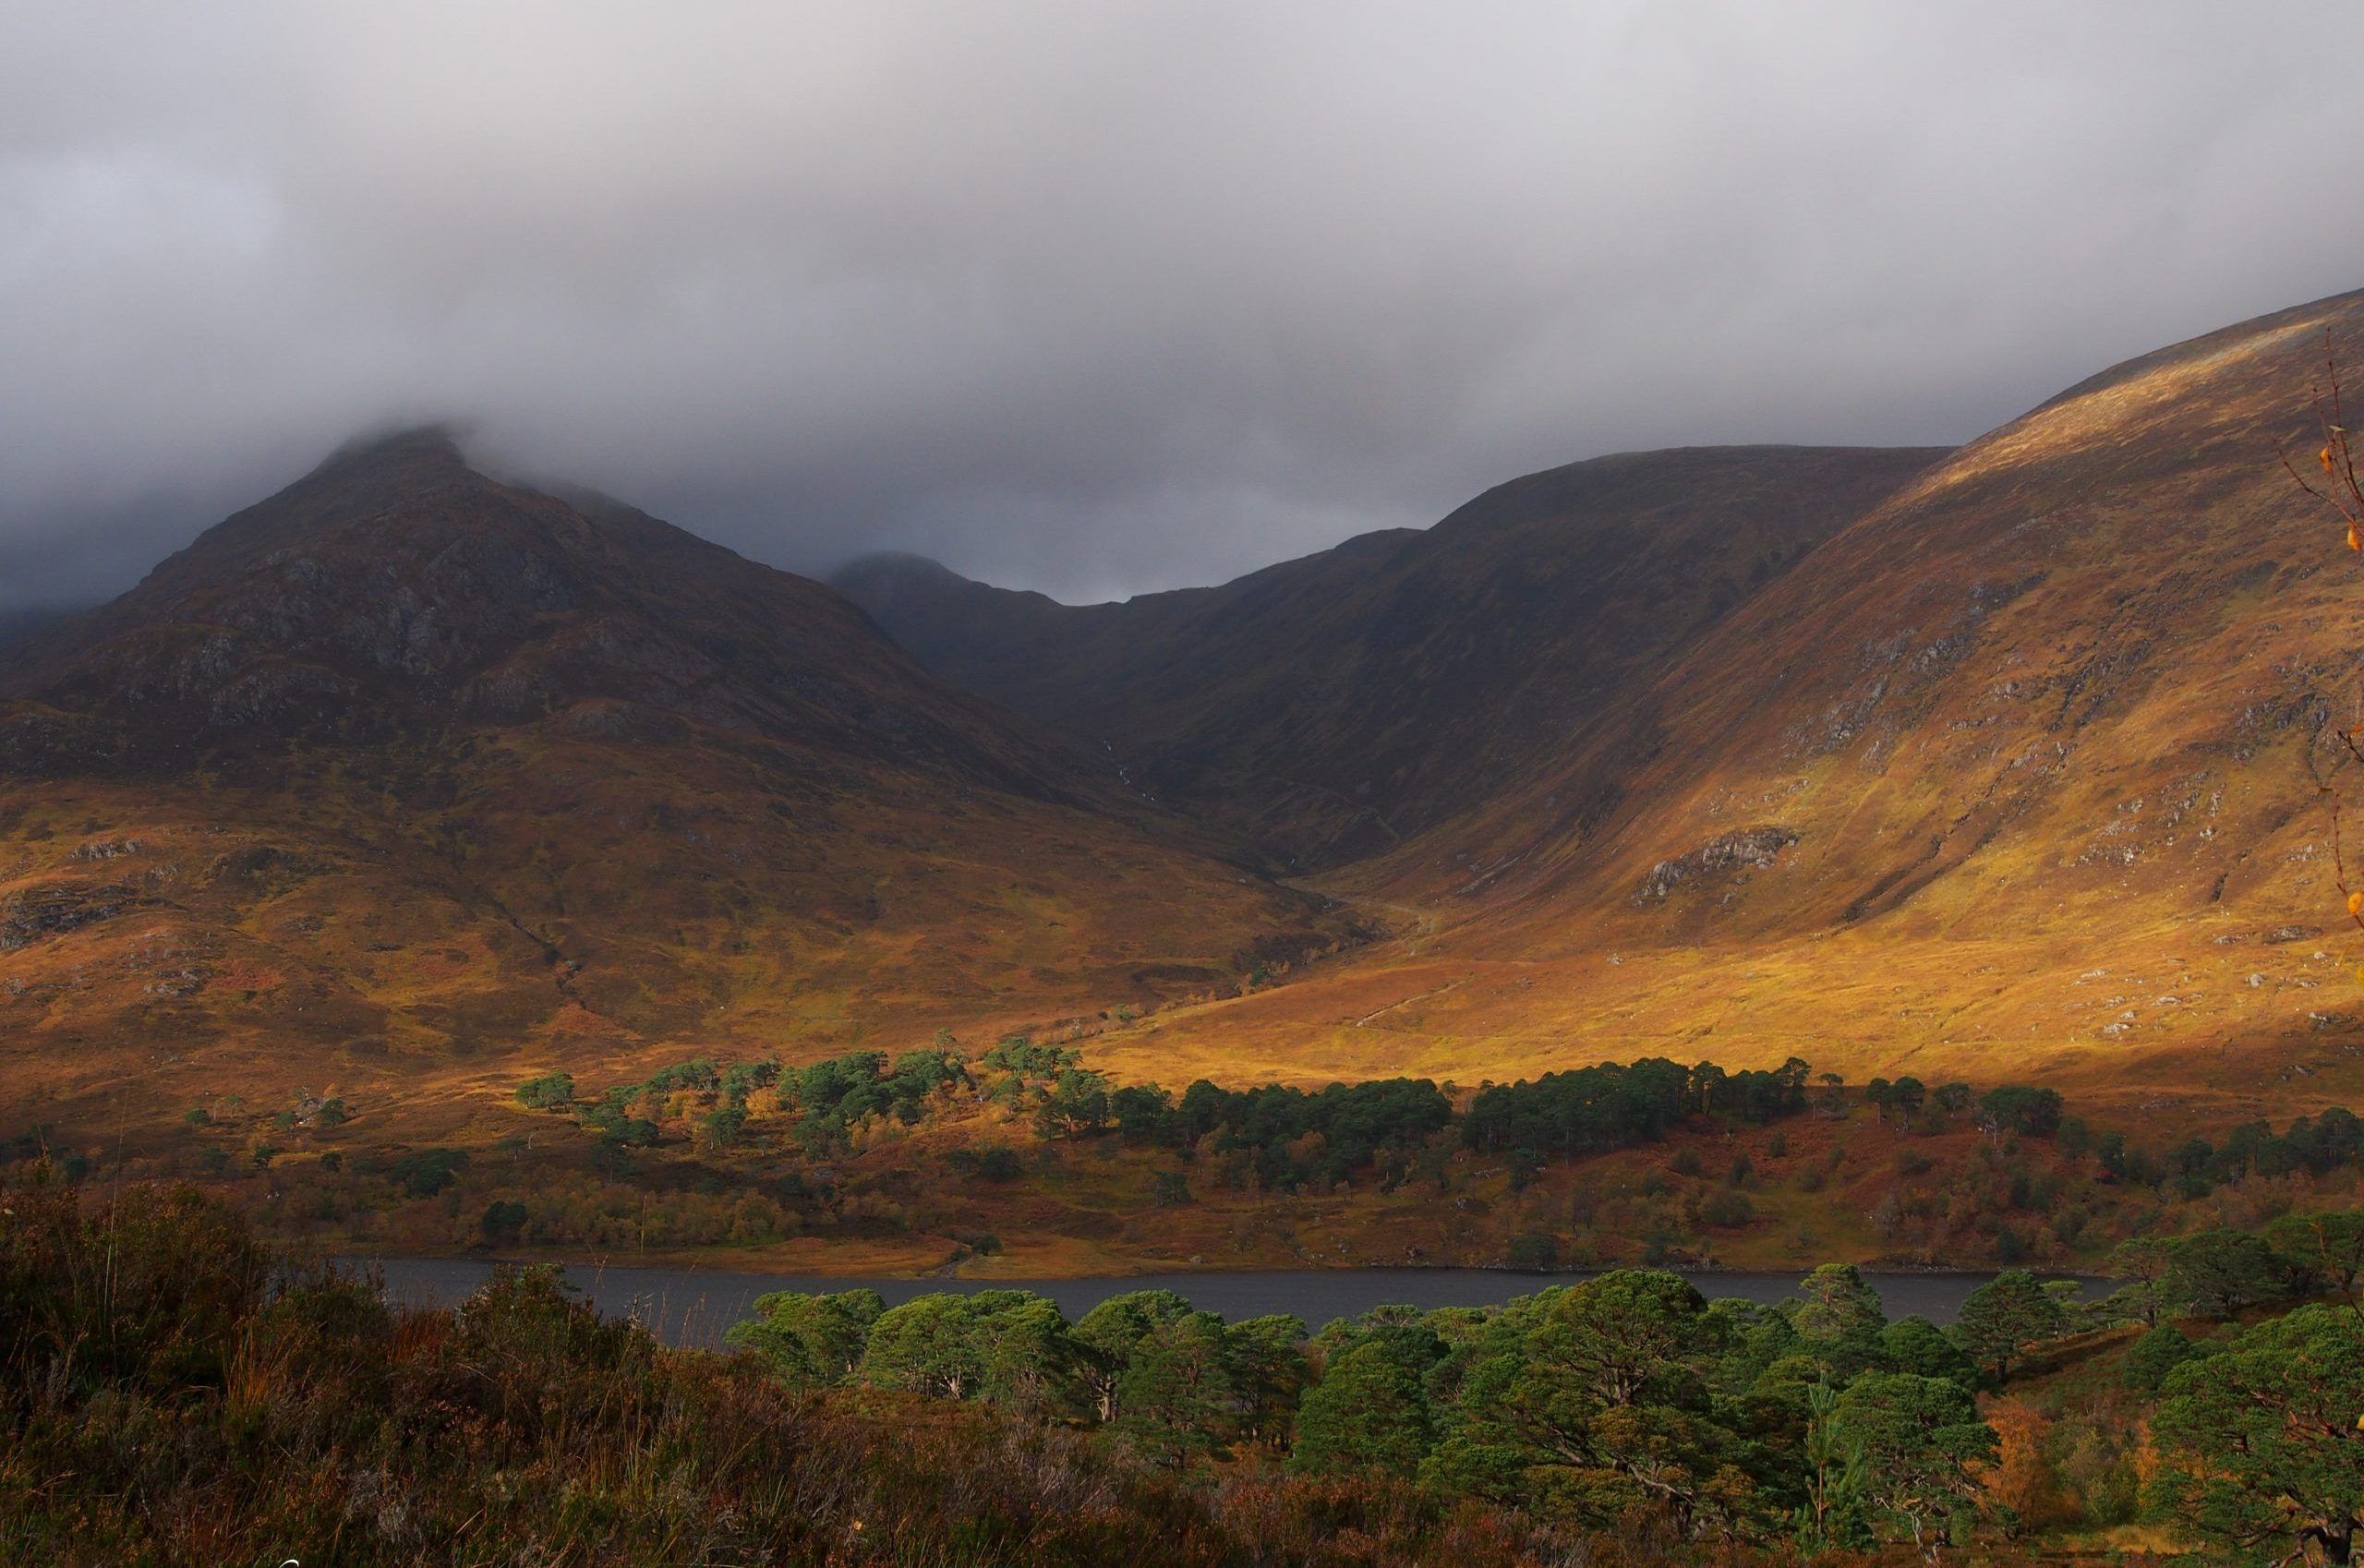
(2339, 489)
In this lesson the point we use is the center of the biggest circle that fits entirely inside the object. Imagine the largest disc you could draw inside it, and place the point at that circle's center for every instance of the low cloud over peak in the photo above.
(1100, 299)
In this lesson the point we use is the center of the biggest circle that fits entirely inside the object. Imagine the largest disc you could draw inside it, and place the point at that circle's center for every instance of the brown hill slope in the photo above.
(406, 766)
(2013, 776)
(1337, 706)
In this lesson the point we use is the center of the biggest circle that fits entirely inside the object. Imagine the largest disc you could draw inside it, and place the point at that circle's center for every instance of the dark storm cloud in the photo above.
(1100, 297)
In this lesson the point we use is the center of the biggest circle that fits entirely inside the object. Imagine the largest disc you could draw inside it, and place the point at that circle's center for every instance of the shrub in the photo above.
(1727, 1208)
(2017, 1107)
(427, 1172)
(995, 1162)
(503, 1221)
(2157, 1353)
(1536, 1250)
(551, 1092)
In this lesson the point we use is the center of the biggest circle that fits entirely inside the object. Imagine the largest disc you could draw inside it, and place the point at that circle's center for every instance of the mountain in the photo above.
(2079, 664)
(1338, 705)
(2015, 774)
(2001, 763)
(407, 767)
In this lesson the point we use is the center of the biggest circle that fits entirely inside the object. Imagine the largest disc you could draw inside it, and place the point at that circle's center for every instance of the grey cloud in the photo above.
(1099, 299)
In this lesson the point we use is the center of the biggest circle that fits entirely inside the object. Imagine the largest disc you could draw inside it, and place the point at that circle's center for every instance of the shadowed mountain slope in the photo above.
(1337, 706)
(2014, 777)
(406, 766)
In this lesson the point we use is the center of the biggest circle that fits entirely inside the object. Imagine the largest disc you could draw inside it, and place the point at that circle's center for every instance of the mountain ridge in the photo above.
(1287, 705)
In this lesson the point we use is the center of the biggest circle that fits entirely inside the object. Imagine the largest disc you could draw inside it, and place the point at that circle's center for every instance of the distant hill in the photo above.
(406, 769)
(1338, 705)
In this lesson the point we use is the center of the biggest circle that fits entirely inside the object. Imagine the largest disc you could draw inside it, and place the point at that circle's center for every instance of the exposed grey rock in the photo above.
(1746, 849)
(40, 913)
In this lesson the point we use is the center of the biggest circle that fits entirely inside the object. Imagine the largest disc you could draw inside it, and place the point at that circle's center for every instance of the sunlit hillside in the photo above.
(406, 773)
(2016, 776)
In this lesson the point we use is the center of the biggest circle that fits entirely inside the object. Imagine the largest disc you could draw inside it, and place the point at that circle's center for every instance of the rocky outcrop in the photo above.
(1747, 849)
(37, 913)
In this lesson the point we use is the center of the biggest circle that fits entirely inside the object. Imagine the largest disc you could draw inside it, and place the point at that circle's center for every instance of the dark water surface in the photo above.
(690, 1305)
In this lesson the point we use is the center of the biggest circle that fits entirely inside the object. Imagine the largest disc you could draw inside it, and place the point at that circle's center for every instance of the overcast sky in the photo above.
(1103, 297)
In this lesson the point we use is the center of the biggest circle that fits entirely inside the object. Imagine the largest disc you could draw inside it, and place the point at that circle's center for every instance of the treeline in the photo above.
(1285, 1137)
(707, 1152)
(716, 1101)
(1588, 1406)
(1628, 1397)
(2317, 1145)
(1593, 1110)
(1378, 1124)
(2218, 1272)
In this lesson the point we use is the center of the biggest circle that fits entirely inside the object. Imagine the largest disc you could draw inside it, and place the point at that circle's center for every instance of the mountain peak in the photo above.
(397, 589)
(436, 442)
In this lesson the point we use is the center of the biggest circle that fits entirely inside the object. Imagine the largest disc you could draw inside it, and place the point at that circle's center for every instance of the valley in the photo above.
(1994, 765)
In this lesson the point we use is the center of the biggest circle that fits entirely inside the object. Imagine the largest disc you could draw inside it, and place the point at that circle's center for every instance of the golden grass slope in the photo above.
(2014, 778)
(407, 774)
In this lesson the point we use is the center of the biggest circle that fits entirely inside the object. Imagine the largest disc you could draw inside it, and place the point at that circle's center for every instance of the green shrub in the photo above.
(1727, 1208)
(2157, 1353)
(427, 1172)
(1535, 1250)
(551, 1092)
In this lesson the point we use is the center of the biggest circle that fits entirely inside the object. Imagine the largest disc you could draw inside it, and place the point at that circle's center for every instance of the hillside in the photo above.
(2013, 776)
(1338, 705)
(406, 773)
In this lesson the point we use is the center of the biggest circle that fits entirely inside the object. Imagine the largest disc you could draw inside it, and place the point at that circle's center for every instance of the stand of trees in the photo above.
(1592, 1110)
(2261, 1444)
(1627, 1395)
(1290, 1137)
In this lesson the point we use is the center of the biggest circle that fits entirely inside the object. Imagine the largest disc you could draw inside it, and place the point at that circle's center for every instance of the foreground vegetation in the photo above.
(174, 1391)
(1629, 1399)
